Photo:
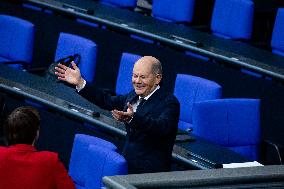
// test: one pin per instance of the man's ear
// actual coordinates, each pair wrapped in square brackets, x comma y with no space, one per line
[158,78]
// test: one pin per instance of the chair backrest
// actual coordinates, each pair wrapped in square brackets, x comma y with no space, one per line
[16,40]
[189,90]
[173,11]
[79,163]
[124,81]
[233,123]
[121,3]
[233,19]
[103,162]
[69,44]
[277,41]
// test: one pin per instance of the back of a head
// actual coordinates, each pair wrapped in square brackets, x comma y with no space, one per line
[22,125]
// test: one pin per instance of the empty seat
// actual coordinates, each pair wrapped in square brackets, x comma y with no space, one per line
[16,41]
[277,42]
[180,11]
[70,44]
[103,162]
[81,159]
[233,19]
[189,90]
[233,123]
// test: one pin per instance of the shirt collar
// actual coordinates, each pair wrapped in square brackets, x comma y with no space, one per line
[147,97]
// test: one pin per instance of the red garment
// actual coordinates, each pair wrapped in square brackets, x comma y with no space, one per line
[22,167]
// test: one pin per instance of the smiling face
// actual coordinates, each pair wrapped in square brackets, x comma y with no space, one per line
[144,77]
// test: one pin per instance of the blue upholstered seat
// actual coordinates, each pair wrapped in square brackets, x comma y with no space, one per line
[81,160]
[124,81]
[233,123]
[189,90]
[103,162]
[70,44]
[233,19]
[16,41]
[277,42]
[173,11]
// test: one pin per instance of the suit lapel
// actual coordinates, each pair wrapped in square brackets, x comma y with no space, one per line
[132,97]
[151,102]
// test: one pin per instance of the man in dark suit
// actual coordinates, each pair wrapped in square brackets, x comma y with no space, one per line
[149,113]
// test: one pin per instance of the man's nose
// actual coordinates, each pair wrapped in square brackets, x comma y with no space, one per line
[137,79]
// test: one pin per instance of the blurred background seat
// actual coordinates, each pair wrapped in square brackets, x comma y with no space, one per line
[233,123]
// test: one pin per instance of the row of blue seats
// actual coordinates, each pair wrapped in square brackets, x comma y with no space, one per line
[231,19]
[190,90]
[93,158]
[231,24]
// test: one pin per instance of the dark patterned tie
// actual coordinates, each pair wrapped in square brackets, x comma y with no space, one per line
[141,101]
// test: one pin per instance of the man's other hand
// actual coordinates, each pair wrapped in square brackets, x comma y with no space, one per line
[123,116]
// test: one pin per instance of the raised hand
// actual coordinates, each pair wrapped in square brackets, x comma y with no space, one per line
[69,75]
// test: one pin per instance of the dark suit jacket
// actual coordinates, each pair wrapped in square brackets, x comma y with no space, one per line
[150,134]
[22,167]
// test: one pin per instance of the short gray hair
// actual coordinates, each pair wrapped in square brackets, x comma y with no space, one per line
[157,67]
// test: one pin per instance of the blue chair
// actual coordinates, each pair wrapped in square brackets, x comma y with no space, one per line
[69,44]
[124,81]
[233,123]
[180,11]
[103,162]
[277,42]
[80,157]
[233,19]
[121,3]
[189,90]
[16,41]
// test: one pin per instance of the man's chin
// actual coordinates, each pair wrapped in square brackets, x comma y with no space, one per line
[138,92]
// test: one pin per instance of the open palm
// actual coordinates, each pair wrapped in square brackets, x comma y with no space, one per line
[69,75]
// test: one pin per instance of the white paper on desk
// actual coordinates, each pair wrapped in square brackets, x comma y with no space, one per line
[245,164]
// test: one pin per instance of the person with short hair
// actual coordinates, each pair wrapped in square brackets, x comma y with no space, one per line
[21,165]
[149,113]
